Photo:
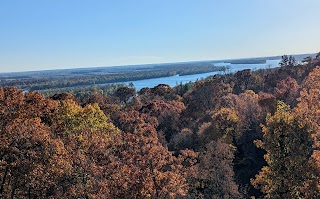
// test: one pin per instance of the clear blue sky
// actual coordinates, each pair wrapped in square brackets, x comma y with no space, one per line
[50,34]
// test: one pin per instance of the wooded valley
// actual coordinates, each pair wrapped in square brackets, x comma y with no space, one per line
[249,134]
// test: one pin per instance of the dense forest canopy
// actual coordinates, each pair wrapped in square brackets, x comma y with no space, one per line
[239,135]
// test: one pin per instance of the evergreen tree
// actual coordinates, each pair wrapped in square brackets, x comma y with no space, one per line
[288,61]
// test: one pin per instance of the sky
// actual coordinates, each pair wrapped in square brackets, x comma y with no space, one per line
[55,34]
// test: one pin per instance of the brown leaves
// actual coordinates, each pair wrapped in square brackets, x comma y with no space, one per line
[204,97]
[32,158]
[216,171]
[287,90]
[141,168]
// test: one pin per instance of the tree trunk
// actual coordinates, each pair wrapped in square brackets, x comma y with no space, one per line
[12,191]
[3,180]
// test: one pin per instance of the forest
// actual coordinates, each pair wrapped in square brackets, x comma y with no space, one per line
[83,77]
[249,134]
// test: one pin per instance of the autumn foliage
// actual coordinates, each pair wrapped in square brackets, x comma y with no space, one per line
[243,135]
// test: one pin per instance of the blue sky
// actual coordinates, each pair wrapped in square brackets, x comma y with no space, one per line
[51,34]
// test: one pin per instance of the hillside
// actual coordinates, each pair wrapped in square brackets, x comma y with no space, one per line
[237,135]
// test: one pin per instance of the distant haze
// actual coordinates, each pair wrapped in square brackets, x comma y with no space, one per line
[43,35]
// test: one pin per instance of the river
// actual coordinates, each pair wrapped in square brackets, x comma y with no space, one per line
[177,79]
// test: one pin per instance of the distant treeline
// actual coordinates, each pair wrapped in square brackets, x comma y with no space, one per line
[248,61]
[41,83]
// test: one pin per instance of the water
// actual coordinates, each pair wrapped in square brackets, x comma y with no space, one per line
[268,64]
[175,80]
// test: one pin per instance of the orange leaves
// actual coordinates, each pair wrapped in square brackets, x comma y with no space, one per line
[309,101]
[62,149]
[287,90]
[142,167]
[312,81]
[308,107]
[216,171]
[33,158]
[316,157]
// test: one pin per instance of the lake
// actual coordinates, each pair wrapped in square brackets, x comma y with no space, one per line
[175,80]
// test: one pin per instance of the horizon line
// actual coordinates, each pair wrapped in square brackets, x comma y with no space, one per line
[146,64]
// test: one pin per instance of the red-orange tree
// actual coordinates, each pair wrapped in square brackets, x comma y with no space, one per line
[141,167]
[32,161]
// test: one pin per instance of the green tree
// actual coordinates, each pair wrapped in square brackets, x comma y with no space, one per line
[287,141]
[288,61]
[70,117]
